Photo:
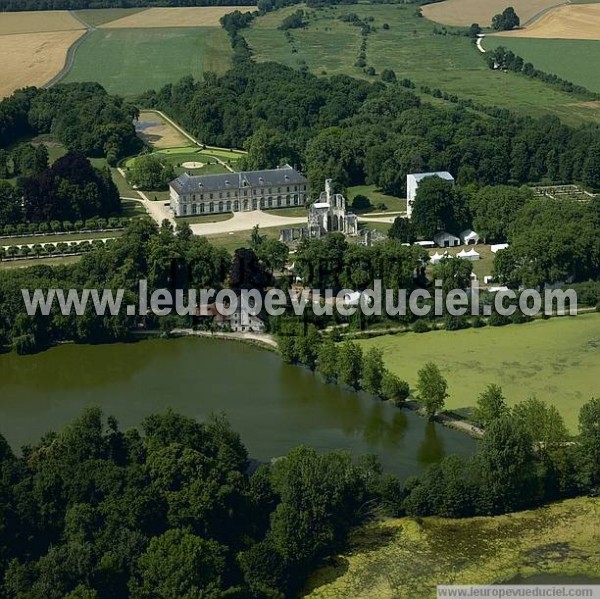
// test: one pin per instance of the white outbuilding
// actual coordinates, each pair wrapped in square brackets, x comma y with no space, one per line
[412,184]
[446,240]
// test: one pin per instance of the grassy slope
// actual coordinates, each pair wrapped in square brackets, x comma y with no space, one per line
[409,47]
[574,60]
[408,557]
[131,61]
[556,360]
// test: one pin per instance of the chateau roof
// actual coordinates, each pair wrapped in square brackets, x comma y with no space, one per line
[285,175]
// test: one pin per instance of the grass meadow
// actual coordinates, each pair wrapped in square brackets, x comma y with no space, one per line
[131,61]
[409,47]
[556,360]
[573,60]
[408,557]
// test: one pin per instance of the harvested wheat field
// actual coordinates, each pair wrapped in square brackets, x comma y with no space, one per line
[199,16]
[465,12]
[570,22]
[37,22]
[32,58]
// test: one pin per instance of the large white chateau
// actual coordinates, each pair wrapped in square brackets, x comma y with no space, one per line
[237,192]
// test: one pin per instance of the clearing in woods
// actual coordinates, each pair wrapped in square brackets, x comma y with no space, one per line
[201,16]
[152,128]
[465,12]
[570,22]
[33,58]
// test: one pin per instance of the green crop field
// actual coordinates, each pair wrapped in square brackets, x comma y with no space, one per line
[574,60]
[557,360]
[95,17]
[131,61]
[409,47]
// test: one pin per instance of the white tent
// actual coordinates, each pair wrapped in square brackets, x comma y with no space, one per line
[446,240]
[462,254]
[498,246]
[468,236]
[472,255]
[435,258]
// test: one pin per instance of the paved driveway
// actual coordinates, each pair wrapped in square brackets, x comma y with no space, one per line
[244,221]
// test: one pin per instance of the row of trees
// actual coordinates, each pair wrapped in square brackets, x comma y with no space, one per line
[526,457]
[502,58]
[57,227]
[48,249]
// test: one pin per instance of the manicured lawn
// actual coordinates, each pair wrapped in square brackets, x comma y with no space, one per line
[240,239]
[574,60]
[409,47]
[381,227]
[131,61]
[408,557]
[556,360]
[132,209]
[291,212]
[392,203]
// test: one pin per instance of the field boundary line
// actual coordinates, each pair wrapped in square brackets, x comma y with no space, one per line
[70,57]
[540,14]
[84,23]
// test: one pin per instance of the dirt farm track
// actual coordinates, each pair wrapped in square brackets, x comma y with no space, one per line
[465,12]
[569,22]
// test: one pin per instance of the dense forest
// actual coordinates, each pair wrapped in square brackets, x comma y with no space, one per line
[354,131]
[80,115]
[171,510]
[69,190]
[175,509]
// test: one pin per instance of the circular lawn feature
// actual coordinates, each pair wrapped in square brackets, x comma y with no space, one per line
[193,165]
